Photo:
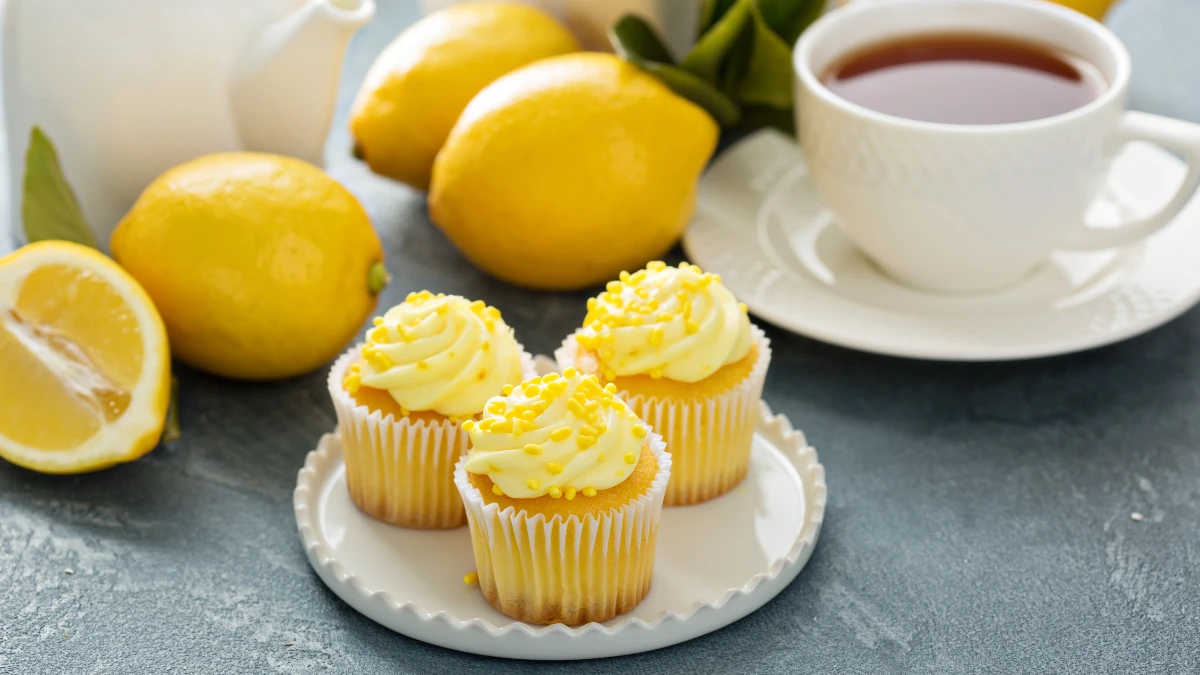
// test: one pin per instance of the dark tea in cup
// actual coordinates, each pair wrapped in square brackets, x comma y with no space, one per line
[965,78]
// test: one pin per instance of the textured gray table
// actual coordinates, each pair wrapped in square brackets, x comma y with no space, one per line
[979,515]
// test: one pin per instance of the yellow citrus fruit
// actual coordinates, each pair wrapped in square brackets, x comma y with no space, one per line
[563,173]
[416,89]
[262,266]
[85,373]
[1093,8]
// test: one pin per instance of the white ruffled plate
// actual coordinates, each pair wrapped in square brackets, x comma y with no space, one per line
[716,561]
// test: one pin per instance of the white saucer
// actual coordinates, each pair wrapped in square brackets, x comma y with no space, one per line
[760,224]
[716,562]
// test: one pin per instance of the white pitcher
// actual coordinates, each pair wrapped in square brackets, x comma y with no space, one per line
[125,89]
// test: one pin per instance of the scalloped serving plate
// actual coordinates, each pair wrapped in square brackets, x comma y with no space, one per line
[716,562]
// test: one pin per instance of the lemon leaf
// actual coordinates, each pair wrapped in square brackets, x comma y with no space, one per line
[710,13]
[768,76]
[635,40]
[709,52]
[49,208]
[789,18]
[171,431]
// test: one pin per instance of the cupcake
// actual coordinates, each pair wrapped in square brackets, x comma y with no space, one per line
[683,354]
[563,487]
[429,363]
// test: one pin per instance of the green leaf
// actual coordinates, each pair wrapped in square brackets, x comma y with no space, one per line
[768,77]
[789,18]
[49,207]
[636,41]
[721,107]
[737,61]
[710,13]
[171,430]
[708,54]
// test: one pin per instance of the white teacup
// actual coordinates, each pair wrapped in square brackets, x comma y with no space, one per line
[964,208]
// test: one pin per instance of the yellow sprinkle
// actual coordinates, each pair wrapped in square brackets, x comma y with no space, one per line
[378,321]
[600,458]
[574,406]
[485,346]
[533,449]
[630,458]
[532,484]
[469,425]
[506,389]
[642,293]
[656,373]
[656,336]
[529,415]
[586,430]
[589,491]
[664,317]
[421,365]
[637,277]
[619,405]
[742,306]
[683,265]
[570,372]
[691,326]
[569,493]
[613,286]
[560,434]
[705,280]
[477,306]
[404,411]
[635,320]
[424,295]
[489,324]
[497,491]
[379,334]
[502,427]
[496,407]
[411,297]
[486,424]
[555,491]
[493,312]
[554,468]
[620,473]
[549,377]
[454,419]
[352,383]
[382,362]
[471,578]
[606,354]
[656,265]
[443,308]
[585,442]
[610,374]
[716,278]
[639,431]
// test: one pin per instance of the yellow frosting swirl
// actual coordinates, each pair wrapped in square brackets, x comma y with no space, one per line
[679,323]
[441,353]
[555,435]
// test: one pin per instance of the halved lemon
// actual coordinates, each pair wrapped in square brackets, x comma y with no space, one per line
[84,366]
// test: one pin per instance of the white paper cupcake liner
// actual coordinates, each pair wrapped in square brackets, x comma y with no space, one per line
[572,570]
[398,470]
[710,437]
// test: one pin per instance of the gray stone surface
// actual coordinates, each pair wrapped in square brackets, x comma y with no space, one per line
[979,515]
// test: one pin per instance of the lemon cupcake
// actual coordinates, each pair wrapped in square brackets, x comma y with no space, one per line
[563,487]
[430,363]
[683,354]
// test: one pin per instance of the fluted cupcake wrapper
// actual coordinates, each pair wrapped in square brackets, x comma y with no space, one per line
[397,470]
[572,570]
[710,437]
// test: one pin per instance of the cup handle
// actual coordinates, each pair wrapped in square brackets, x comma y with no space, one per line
[1175,135]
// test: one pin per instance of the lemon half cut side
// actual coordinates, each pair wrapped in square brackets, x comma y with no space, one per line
[84,362]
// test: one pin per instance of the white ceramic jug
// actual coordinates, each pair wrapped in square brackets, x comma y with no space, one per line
[125,89]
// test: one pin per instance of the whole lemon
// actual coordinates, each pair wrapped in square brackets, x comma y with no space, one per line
[565,172]
[262,266]
[418,86]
